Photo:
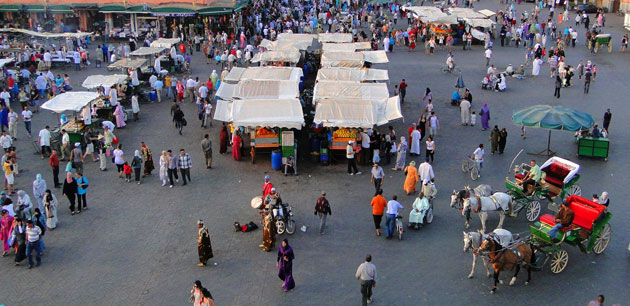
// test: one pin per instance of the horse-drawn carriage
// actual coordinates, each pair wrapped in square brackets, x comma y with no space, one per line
[559,179]
[602,40]
[590,232]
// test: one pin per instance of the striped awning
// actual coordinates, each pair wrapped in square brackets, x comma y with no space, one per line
[10,8]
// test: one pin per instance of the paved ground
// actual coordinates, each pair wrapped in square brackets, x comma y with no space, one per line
[136,244]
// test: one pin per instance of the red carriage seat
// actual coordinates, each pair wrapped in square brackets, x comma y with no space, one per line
[585,211]
[518,176]
[556,173]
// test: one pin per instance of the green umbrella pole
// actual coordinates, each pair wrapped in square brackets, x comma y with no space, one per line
[546,152]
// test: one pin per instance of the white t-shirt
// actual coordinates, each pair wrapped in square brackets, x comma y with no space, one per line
[6,96]
[365,140]
[349,152]
[13,117]
[27,115]
[65,139]
[44,137]
[479,153]
[488,53]
[47,57]
[203,91]
[118,154]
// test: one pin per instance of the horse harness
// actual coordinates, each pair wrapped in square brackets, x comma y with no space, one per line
[495,201]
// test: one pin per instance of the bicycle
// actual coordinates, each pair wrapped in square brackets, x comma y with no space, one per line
[472,166]
[399,226]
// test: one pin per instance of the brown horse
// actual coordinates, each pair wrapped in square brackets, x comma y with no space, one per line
[504,259]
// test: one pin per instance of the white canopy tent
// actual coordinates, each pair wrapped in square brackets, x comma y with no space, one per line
[461,12]
[94,81]
[352,74]
[226,91]
[70,101]
[143,51]
[481,23]
[297,37]
[392,111]
[290,55]
[345,47]
[164,42]
[251,89]
[282,113]
[223,111]
[342,59]
[487,13]
[446,20]
[264,74]
[128,63]
[349,90]
[425,11]
[335,37]
[375,57]
[348,113]
[280,45]
[4,61]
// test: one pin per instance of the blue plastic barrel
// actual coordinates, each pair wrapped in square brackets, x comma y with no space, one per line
[276,160]
[152,95]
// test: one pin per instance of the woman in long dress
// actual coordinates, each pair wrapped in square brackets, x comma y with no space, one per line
[418,210]
[427,96]
[223,140]
[25,206]
[284,262]
[163,168]
[485,117]
[119,114]
[236,146]
[39,188]
[412,178]
[402,154]
[269,232]
[50,207]
[204,246]
[422,125]
[5,230]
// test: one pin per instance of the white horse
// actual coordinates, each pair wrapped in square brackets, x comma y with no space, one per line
[473,240]
[457,198]
[499,202]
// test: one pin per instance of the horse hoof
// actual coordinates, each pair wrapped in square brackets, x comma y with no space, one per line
[512,282]
[488,275]
[492,291]
[501,282]
[470,276]
[526,283]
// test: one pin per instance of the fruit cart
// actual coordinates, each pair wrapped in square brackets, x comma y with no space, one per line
[341,137]
[593,147]
[263,140]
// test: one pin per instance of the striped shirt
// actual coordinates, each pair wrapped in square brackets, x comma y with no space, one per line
[184,162]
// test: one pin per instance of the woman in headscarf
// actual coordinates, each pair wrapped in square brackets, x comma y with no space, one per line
[402,154]
[24,208]
[147,156]
[284,263]
[120,115]
[204,246]
[485,117]
[412,178]
[603,199]
[50,207]
[214,77]
[70,189]
[136,164]
[163,168]
[5,230]
[39,189]
[236,145]
[223,139]
[418,210]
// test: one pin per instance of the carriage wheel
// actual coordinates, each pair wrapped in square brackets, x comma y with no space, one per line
[596,46]
[290,227]
[465,166]
[601,242]
[474,173]
[429,217]
[280,226]
[559,260]
[575,189]
[533,211]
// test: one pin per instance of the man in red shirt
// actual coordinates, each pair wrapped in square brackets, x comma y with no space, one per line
[266,187]
[54,164]
[403,90]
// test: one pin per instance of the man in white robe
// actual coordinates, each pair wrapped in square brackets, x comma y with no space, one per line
[415,141]
[464,110]
[536,66]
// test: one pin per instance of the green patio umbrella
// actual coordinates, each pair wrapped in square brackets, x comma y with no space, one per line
[553,118]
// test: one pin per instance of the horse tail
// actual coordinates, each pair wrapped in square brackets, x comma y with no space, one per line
[532,260]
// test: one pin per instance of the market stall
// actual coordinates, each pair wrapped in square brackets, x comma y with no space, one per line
[335,37]
[346,47]
[349,90]
[164,42]
[280,45]
[289,56]
[145,51]
[251,89]
[352,75]
[264,74]
[125,63]
[342,59]
[105,81]
[77,102]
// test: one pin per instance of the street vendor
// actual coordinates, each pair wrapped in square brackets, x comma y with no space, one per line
[267,186]
[532,177]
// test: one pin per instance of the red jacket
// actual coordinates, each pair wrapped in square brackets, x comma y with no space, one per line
[54,160]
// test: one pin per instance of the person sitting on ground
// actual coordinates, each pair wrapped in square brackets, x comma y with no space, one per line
[520,71]
[532,177]
[564,218]
[509,70]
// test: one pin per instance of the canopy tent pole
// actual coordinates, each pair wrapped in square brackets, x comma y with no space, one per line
[546,152]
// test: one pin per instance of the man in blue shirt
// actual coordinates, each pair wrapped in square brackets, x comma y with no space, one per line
[158,89]
[82,184]
[105,54]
